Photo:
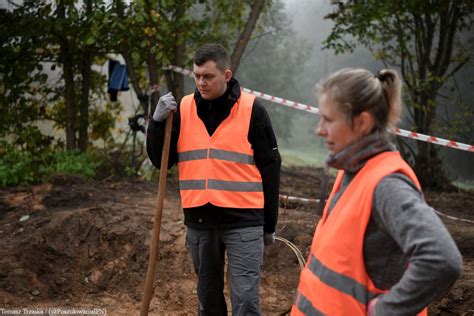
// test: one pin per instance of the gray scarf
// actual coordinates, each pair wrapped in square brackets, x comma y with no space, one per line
[353,157]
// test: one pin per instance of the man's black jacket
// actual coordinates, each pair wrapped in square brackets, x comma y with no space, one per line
[266,155]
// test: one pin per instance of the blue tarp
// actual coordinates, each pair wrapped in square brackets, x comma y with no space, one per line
[118,79]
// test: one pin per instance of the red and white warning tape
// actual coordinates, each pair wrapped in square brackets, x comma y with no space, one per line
[315,110]
[435,140]
[286,198]
[455,218]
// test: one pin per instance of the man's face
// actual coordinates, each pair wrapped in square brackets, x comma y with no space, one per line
[210,81]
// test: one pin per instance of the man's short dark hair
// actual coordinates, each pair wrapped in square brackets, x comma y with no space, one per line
[214,52]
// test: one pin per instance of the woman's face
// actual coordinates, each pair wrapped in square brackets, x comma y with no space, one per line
[334,126]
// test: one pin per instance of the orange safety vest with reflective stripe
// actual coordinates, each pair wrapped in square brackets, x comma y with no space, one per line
[218,169]
[334,280]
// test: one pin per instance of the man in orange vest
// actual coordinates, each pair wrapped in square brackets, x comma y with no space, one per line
[229,167]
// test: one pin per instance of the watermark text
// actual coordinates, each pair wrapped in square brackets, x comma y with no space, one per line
[53,311]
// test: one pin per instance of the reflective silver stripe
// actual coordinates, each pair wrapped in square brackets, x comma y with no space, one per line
[231,156]
[340,282]
[192,184]
[192,155]
[234,186]
[306,307]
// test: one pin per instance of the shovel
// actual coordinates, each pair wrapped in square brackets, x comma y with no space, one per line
[157,224]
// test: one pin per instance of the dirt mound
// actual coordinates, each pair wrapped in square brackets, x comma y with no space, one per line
[85,251]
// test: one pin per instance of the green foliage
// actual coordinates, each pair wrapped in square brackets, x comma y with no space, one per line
[34,36]
[151,32]
[418,37]
[17,167]
[103,120]
[423,39]
[42,41]
[20,167]
[116,159]
[71,162]
[21,69]
[456,125]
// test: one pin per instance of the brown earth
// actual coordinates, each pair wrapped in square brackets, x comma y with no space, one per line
[74,244]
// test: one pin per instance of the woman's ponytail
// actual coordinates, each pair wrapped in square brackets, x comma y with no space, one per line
[391,86]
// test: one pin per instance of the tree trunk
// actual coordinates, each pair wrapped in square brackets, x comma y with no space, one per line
[153,74]
[178,79]
[84,106]
[244,38]
[70,98]
[132,75]
[428,165]
[68,74]
[152,64]
[85,87]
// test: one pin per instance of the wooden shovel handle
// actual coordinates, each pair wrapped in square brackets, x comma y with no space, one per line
[157,224]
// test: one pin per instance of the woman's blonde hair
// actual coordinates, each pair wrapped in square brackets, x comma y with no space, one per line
[358,90]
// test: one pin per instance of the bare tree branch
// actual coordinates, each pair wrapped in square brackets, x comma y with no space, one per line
[239,48]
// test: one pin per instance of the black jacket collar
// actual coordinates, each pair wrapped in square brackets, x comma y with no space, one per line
[213,112]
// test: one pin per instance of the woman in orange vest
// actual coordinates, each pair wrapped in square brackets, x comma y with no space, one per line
[378,249]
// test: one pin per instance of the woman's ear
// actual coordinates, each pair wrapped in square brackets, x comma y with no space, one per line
[364,123]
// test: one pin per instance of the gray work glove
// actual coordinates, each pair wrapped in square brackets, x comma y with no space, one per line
[166,105]
[268,238]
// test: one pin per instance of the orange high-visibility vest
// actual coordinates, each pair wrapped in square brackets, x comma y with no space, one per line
[334,280]
[218,169]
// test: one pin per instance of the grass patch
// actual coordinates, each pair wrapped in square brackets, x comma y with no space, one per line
[313,157]
[21,167]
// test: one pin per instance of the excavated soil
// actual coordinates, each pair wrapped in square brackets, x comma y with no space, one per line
[71,243]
